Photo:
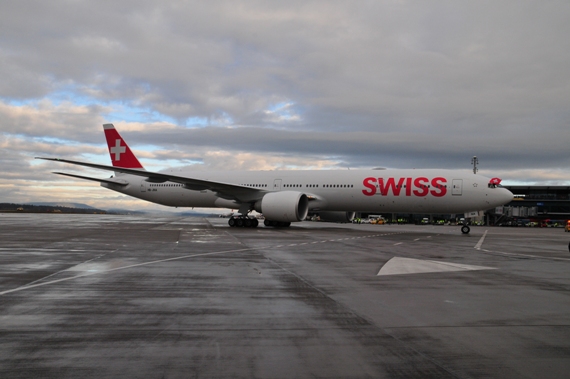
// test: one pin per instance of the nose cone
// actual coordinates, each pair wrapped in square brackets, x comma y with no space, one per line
[504,196]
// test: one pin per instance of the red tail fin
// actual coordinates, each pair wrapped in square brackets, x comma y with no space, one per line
[121,154]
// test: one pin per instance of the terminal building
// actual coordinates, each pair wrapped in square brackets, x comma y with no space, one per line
[534,203]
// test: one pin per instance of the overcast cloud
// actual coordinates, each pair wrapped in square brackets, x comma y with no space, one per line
[282,85]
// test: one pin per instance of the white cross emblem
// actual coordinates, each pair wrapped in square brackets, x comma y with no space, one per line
[118,150]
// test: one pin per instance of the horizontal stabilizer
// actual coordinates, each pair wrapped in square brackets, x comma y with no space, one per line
[120,182]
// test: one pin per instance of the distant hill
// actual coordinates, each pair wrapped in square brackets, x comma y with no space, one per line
[66,207]
[43,208]
[125,211]
[62,204]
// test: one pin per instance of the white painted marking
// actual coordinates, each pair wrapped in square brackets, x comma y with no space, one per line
[398,243]
[478,246]
[399,266]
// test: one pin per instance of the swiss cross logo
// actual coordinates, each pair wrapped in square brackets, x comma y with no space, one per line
[118,150]
[420,187]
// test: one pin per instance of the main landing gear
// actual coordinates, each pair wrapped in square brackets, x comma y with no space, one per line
[249,222]
[465,229]
[243,222]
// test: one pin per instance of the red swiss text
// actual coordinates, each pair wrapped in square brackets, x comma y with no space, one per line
[405,186]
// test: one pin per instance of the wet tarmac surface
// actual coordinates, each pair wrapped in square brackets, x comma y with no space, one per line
[100,296]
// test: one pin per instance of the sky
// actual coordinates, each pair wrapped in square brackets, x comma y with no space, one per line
[282,85]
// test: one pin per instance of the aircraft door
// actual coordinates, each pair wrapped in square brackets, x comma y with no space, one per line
[143,185]
[277,185]
[457,187]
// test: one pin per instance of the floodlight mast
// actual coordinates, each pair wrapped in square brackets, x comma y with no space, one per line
[475,162]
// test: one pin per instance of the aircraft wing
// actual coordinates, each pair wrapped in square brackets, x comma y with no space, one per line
[224,190]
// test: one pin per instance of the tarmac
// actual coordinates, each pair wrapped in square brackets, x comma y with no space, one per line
[103,296]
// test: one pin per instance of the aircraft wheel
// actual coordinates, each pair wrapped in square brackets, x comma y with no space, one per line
[247,222]
[465,229]
[254,223]
[239,222]
[232,222]
[266,222]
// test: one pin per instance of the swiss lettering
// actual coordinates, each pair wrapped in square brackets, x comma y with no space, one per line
[369,183]
[420,186]
[439,187]
[421,183]
[390,183]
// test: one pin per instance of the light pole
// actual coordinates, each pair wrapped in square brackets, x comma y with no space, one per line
[475,162]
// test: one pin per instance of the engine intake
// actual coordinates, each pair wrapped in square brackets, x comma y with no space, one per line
[285,206]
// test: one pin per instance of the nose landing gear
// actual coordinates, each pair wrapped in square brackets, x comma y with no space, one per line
[465,229]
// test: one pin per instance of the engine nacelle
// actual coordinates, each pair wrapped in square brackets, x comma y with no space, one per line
[337,216]
[285,206]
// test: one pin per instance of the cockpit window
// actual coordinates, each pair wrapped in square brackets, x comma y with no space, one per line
[494,183]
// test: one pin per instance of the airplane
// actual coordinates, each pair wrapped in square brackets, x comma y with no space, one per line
[284,197]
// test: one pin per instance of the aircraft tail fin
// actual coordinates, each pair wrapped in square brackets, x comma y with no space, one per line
[121,154]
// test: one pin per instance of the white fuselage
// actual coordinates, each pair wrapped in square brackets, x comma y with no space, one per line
[390,191]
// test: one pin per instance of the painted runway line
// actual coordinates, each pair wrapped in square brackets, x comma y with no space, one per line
[480,243]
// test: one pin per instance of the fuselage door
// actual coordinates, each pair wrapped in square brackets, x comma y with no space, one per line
[277,185]
[457,187]
[143,185]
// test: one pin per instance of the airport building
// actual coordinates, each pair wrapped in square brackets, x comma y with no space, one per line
[538,203]
[531,204]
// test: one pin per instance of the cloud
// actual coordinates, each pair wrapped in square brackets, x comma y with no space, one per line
[253,84]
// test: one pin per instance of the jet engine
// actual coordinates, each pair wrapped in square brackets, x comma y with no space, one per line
[337,216]
[285,206]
